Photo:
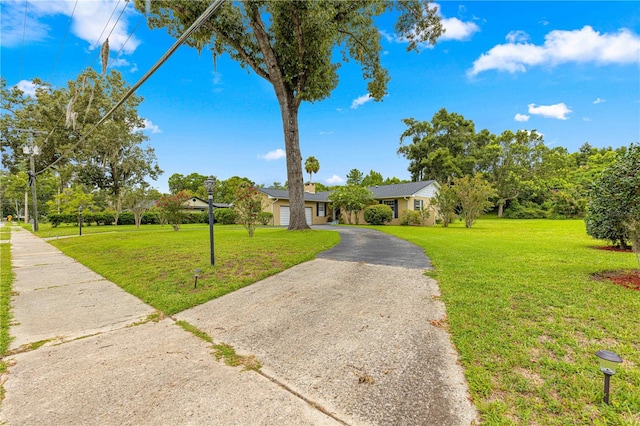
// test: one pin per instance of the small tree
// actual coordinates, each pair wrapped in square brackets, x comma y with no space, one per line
[473,194]
[446,202]
[136,200]
[351,199]
[172,207]
[248,206]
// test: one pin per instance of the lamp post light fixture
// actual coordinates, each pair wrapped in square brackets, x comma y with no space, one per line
[210,186]
[608,363]
[80,219]
[196,274]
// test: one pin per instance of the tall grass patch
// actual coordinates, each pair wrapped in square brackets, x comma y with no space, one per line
[527,319]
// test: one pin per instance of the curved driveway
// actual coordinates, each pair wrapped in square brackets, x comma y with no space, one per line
[377,248]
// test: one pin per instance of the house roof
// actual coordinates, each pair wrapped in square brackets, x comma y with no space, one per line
[380,191]
[399,190]
[283,194]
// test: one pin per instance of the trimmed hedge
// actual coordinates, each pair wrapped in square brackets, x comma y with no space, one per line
[224,216]
[378,214]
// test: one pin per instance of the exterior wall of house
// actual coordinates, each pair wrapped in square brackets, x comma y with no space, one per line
[403,204]
[273,206]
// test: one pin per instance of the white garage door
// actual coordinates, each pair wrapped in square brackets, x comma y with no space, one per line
[284,215]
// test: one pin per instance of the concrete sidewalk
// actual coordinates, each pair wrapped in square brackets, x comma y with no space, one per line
[339,343]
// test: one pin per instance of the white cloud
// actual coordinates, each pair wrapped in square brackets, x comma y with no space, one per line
[334,180]
[148,125]
[455,29]
[27,87]
[580,46]
[326,133]
[586,119]
[361,101]
[88,21]
[598,101]
[521,117]
[517,36]
[273,155]
[558,111]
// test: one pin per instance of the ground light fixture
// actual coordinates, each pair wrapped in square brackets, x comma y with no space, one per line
[210,186]
[608,363]
[196,274]
[80,219]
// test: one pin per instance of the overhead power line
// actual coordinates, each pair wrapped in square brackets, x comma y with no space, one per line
[196,24]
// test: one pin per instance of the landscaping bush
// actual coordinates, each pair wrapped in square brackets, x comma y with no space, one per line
[224,216]
[265,218]
[378,214]
[411,217]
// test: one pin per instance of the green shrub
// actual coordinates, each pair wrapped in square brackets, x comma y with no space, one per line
[411,217]
[378,214]
[225,216]
[530,211]
[265,218]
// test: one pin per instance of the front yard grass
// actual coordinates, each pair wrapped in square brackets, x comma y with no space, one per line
[527,319]
[157,264]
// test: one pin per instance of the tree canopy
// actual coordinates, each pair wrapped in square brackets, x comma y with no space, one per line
[291,45]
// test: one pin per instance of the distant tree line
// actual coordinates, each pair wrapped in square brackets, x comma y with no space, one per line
[529,179]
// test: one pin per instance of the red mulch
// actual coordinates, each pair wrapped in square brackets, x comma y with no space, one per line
[626,279]
[612,248]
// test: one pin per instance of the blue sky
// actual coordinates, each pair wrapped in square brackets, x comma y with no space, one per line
[570,70]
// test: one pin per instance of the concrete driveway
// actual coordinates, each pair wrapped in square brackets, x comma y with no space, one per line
[340,342]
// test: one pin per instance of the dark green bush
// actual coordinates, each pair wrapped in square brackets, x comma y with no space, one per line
[378,214]
[225,216]
[531,211]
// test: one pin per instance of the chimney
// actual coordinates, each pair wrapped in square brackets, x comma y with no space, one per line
[310,188]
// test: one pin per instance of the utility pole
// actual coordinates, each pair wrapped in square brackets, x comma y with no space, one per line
[32,149]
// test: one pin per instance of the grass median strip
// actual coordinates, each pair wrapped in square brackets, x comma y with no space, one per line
[527,319]
[158,265]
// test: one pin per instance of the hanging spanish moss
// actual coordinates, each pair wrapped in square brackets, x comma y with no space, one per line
[72,116]
[147,6]
[104,55]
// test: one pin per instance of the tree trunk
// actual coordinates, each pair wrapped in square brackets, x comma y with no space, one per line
[500,208]
[289,111]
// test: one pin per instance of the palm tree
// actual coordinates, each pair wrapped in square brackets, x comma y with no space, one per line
[311,165]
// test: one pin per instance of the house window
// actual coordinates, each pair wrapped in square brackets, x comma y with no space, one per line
[322,209]
[394,206]
[417,205]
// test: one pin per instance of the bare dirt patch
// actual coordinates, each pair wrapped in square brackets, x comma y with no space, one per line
[626,279]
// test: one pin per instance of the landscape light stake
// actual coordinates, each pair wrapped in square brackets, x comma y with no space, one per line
[80,219]
[196,274]
[608,363]
[210,186]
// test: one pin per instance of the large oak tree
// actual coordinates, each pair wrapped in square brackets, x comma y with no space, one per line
[291,45]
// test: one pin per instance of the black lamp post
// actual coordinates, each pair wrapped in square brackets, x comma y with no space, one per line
[210,186]
[608,363]
[80,221]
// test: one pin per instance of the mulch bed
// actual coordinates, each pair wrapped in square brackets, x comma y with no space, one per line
[612,248]
[626,279]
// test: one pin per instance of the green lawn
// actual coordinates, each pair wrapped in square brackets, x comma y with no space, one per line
[6,280]
[527,318]
[156,264]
